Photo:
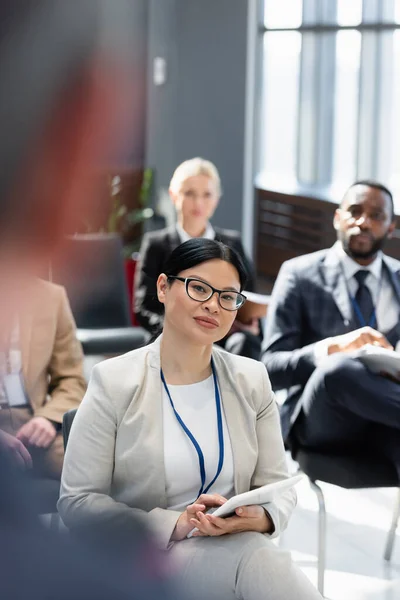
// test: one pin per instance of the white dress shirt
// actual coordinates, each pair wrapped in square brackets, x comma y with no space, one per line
[378,283]
[195,405]
[209,233]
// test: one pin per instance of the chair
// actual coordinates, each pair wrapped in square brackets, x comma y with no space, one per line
[44,493]
[349,472]
[67,424]
[97,290]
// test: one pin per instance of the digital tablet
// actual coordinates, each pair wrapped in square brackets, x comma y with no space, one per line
[262,495]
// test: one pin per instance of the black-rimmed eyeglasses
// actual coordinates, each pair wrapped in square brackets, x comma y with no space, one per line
[201,292]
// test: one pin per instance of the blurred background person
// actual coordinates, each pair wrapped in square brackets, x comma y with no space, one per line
[41,377]
[195,190]
[62,109]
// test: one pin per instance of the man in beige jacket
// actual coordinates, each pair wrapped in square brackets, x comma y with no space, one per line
[43,369]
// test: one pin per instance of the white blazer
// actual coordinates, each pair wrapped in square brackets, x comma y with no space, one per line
[114,463]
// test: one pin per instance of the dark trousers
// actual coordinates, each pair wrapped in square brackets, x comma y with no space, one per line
[345,406]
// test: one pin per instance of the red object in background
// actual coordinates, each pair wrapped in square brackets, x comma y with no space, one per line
[130,268]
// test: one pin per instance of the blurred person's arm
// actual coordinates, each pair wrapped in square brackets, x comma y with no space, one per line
[85,502]
[147,308]
[67,384]
[16,450]
[287,362]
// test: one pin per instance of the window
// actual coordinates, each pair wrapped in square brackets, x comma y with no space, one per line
[331,92]
[281,75]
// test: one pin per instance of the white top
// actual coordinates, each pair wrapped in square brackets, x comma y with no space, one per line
[195,405]
[383,296]
[10,360]
[209,233]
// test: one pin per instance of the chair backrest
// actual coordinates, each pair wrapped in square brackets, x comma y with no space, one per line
[67,424]
[292,224]
[97,287]
[348,470]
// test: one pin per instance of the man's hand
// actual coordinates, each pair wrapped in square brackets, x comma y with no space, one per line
[248,518]
[16,449]
[184,523]
[354,340]
[37,432]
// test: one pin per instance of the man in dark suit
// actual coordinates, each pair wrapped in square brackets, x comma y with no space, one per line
[195,191]
[324,306]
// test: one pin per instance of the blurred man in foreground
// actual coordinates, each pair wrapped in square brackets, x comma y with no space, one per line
[61,115]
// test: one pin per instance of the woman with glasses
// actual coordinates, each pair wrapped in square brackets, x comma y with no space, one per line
[168,431]
[195,191]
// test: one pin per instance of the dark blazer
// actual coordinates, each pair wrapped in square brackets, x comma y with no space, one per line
[309,303]
[156,248]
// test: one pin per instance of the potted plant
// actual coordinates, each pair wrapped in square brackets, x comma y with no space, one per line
[122,209]
[129,224]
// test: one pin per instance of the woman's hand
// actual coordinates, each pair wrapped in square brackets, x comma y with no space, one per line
[184,523]
[247,518]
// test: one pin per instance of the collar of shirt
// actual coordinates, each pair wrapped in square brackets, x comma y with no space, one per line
[350,266]
[209,233]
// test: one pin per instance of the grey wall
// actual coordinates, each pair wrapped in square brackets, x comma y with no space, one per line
[133,32]
[139,41]
[200,110]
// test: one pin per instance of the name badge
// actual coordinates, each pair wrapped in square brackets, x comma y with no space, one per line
[15,390]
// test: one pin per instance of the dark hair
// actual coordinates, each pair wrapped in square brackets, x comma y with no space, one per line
[377,186]
[200,250]
[194,252]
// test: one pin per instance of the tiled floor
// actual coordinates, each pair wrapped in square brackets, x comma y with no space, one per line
[358,521]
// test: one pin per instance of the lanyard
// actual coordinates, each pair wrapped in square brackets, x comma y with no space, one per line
[193,439]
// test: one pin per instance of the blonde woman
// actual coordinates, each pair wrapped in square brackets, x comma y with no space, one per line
[195,191]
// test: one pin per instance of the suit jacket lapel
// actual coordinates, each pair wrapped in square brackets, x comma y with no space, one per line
[234,421]
[336,283]
[393,271]
[219,237]
[154,391]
